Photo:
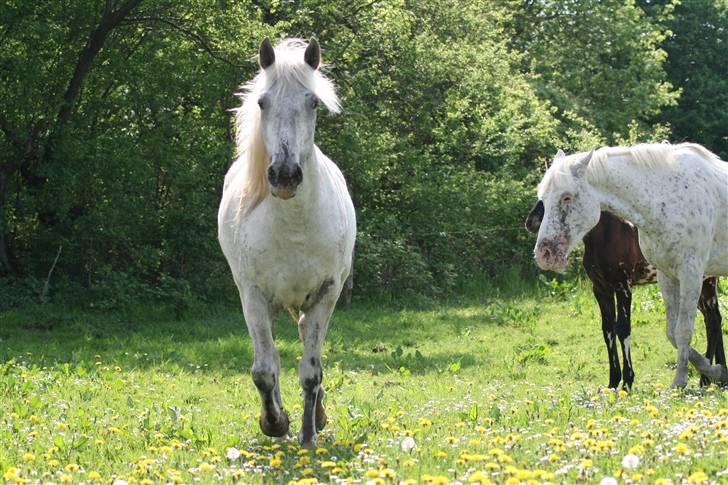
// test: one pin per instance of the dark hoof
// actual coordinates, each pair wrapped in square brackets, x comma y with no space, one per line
[307,442]
[274,429]
[320,411]
[704,381]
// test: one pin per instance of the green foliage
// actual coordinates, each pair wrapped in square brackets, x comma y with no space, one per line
[450,110]
[699,33]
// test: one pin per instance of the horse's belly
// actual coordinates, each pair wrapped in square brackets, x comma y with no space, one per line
[286,278]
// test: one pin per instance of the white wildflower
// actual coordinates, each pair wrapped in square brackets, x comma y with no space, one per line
[408,444]
[232,454]
[630,461]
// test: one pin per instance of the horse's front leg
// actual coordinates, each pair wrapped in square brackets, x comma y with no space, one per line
[266,362]
[670,289]
[624,329]
[312,329]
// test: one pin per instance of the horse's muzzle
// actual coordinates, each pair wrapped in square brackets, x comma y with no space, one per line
[284,179]
[551,255]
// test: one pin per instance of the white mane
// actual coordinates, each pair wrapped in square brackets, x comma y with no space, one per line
[646,156]
[289,67]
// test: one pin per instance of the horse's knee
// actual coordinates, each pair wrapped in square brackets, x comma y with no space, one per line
[264,379]
[671,337]
[310,374]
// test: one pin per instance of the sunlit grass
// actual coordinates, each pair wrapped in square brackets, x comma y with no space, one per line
[502,389]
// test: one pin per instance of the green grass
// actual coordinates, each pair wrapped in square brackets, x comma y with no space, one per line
[506,386]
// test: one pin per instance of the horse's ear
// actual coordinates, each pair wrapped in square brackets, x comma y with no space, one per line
[560,154]
[312,56]
[579,168]
[266,54]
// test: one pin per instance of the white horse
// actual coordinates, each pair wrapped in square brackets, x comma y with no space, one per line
[286,223]
[676,195]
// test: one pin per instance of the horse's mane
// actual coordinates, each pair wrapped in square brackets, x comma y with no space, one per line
[289,67]
[647,156]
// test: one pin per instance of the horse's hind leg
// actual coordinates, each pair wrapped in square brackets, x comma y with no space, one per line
[709,307]
[605,299]
[684,295]
[624,329]
[266,362]
[312,329]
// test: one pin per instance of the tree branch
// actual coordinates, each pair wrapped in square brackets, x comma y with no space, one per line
[109,21]
[199,39]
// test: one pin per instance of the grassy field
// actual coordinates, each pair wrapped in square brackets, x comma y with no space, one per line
[504,387]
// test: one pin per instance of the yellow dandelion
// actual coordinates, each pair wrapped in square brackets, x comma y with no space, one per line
[504,458]
[71,468]
[637,450]
[28,457]
[94,475]
[682,449]
[388,473]
[206,467]
[697,478]
[371,473]
[61,426]
[11,473]
[586,463]
[479,477]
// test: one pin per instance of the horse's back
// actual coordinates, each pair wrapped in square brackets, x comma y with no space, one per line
[709,191]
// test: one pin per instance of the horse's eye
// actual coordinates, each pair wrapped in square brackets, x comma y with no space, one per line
[314,103]
[261,103]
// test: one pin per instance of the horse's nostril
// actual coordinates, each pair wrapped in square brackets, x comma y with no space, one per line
[272,176]
[297,175]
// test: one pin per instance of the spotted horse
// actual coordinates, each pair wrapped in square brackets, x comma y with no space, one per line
[676,195]
[614,263]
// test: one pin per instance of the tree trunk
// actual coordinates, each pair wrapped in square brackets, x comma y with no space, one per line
[5,237]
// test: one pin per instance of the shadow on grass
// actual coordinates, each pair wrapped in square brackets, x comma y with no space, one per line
[367,337]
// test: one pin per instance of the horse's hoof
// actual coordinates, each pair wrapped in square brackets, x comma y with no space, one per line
[723,374]
[307,442]
[704,381]
[275,429]
[679,383]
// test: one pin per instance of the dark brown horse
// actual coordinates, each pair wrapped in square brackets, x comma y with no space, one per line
[614,263]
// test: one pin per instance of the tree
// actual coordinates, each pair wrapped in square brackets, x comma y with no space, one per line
[696,63]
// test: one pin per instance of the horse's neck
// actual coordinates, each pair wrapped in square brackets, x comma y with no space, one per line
[623,192]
